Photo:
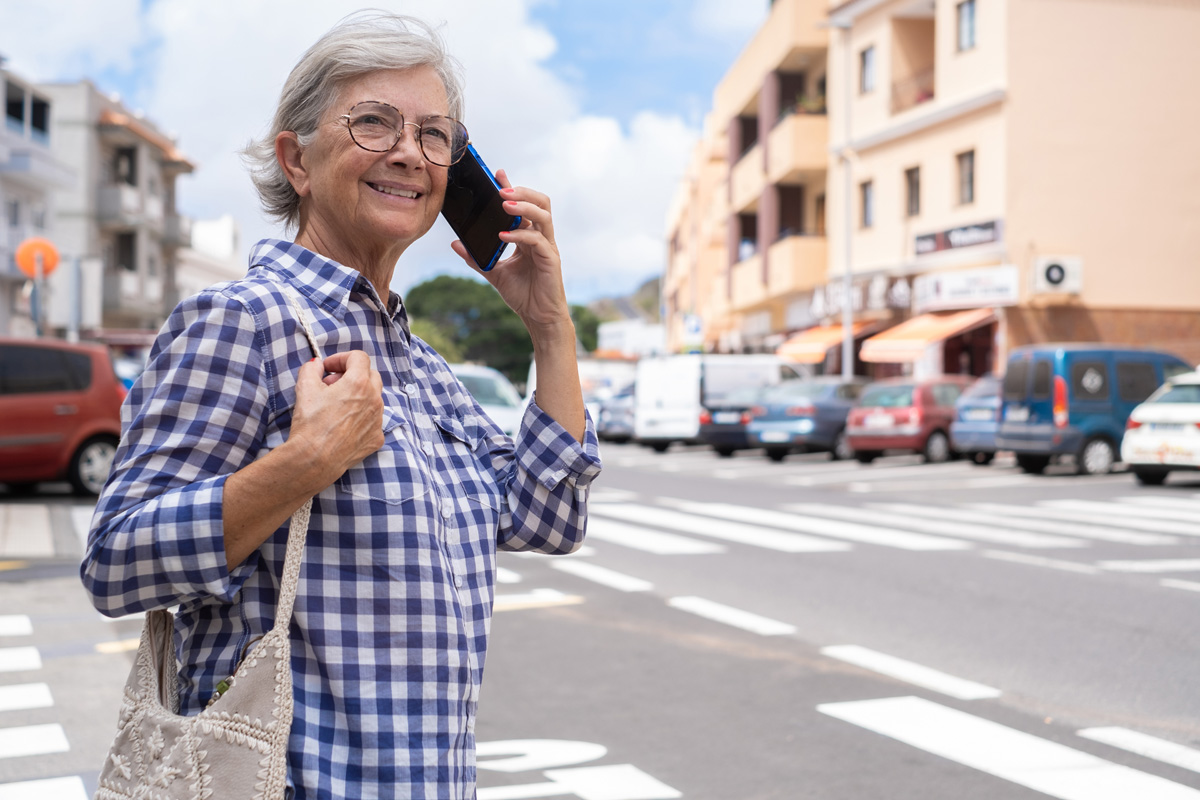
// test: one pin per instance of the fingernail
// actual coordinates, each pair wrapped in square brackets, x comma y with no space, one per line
[508,191]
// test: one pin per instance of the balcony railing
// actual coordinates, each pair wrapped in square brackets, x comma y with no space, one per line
[912,91]
[119,203]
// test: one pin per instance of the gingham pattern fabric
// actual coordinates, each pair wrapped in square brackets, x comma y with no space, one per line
[395,596]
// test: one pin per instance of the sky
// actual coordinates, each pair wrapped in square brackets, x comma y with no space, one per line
[598,104]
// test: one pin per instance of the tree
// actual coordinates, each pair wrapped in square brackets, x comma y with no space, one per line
[437,338]
[587,327]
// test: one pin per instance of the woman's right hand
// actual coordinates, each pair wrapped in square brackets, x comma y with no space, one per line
[338,417]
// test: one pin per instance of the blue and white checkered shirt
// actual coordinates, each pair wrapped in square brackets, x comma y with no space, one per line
[395,595]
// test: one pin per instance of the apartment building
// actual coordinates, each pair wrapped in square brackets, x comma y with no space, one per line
[119,212]
[29,176]
[1018,171]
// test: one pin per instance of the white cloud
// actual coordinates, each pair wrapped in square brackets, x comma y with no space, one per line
[723,18]
[48,40]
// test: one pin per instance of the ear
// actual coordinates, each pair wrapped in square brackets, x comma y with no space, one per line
[289,154]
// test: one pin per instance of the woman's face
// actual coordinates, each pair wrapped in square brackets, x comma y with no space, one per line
[360,201]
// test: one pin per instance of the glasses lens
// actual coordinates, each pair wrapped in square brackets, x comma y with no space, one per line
[374,126]
[443,140]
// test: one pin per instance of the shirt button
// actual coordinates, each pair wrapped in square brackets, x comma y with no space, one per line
[446,512]
[428,448]
[458,581]
[410,389]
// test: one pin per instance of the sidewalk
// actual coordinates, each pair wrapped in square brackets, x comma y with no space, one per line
[33,530]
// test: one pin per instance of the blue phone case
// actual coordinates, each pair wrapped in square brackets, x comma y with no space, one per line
[475,211]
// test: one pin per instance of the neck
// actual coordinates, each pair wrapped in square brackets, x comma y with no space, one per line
[375,263]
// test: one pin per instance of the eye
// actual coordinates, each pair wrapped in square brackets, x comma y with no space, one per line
[436,134]
[370,119]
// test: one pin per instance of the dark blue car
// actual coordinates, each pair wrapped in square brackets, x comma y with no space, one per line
[977,418]
[804,415]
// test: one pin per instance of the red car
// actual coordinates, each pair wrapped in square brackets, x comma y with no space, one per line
[60,413]
[905,414]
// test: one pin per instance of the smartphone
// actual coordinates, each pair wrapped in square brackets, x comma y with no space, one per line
[475,210]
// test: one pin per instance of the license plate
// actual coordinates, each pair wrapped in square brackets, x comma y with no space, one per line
[727,417]
[979,414]
[878,421]
[1166,426]
[775,436]
[1016,413]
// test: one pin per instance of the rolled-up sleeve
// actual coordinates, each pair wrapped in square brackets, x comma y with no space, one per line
[548,489]
[196,415]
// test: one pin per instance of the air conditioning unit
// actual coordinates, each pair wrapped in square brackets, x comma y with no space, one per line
[1057,275]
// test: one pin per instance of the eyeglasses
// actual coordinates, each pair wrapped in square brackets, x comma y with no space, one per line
[376,127]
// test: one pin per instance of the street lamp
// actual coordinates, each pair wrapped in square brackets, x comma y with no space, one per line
[844,155]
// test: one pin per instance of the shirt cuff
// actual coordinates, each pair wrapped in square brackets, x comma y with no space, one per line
[551,455]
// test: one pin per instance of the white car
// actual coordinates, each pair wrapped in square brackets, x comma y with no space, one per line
[494,392]
[1163,433]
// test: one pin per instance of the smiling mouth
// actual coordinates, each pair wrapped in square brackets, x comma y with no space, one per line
[395,192]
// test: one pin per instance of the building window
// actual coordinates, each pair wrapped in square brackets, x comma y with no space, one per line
[12,210]
[912,183]
[866,192]
[866,70]
[966,25]
[126,252]
[125,165]
[14,108]
[37,218]
[966,177]
[39,119]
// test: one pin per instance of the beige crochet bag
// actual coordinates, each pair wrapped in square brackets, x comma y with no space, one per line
[236,747]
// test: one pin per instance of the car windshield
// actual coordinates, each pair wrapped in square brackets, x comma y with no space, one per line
[1177,393]
[790,391]
[898,395]
[987,386]
[491,391]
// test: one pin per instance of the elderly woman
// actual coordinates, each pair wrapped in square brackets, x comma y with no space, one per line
[234,425]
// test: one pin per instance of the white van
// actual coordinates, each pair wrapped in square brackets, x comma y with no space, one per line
[600,379]
[672,391]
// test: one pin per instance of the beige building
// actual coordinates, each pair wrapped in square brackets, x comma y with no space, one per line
[1020,171]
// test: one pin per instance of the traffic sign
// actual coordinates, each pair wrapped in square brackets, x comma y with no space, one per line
[27,257]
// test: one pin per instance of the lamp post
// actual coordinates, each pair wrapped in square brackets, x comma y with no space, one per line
[843,25]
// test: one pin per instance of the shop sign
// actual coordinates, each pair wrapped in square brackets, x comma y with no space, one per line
[971,288]
[884,293]
[953,239]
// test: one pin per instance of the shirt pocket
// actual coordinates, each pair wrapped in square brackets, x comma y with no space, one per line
[392,474]
[474,482]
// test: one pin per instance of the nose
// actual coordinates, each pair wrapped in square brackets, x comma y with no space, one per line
[407,148]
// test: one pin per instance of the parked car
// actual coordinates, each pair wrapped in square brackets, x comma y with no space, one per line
[494,392]
[723,420]
[1074,400]
[615,423]
[906,414]
[804,415]
[60,414]
[976,420]
[1163,433]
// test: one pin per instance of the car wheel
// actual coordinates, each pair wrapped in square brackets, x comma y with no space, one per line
[937,448]
[865,456]
[842,451]
[777,453]
[1150,477]
[1035,465]
[724,452]
[1096,457]
[91,464]
[23,489]
[982,459]
[660,447]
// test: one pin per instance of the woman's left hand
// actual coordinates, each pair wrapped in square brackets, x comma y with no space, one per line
[530,280]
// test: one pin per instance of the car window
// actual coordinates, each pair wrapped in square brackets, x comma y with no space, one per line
[849,391]
[1089,380]
[1182,393]
[490,391]
[987,386]
[1042,371]
[1136,380]
[789,391]
[946,394]
[1173,368]
[27,370]
[1016,379]
[898,395]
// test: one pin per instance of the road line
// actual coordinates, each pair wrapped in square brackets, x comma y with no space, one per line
[1110,530]
[15,625]
[647,540]
[1117,514]
[1153,565]
[728,615]
[958,529]
[1145,745]
[612,496]
[854,472]
[910,672]
[1159,501]
[117,646]
[1017,538]
[783,541]
[504,575]
[583,552]
[1012,755]
[33,740]
[538,598]
[603,576]
[1172,583]
[71,788]
[1039,561]
[866,534]
[863,487]
[81,522]
[19,659]
[1128,510]
[1009,520]
[25,695]
[25,531]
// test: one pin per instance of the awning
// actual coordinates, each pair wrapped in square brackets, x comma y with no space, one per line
[812,345]
[907,341]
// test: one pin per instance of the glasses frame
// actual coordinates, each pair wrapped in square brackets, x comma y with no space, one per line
[399,132]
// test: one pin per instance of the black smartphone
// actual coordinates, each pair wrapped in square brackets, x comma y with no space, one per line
[475,210]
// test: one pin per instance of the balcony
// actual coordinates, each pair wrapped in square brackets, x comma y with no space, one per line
[799,144]
[747,180]
[119,204]
[178,231]
[912,91]
[748,287]
[796,264]
[129,299]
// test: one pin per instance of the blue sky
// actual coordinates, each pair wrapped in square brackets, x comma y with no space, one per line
[596,103]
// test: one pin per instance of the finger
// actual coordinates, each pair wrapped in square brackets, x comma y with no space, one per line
[309,375]
[347,360]
[502,179]
[528,211]
[527,195]
[533,239]
[458,247]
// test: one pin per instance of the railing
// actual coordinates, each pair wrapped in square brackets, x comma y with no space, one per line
[803,104]
[912,91]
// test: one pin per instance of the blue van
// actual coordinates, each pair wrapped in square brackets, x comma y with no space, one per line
[1074,399]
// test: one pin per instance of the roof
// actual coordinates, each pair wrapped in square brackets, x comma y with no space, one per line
[147,134]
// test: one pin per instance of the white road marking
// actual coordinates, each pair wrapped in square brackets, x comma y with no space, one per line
[1173,583]
[1039,561]
[25,531]
[25,695]
[1023,759]
[612,496]
[783,541]
[1145,745]
[959,529]
[728,615]
[1015,538]
[922,485]
[647,540]
[71,788]
[603,576]
[505,575]
[538,598]
[910,672]
[81,521]
[19,659]
[15,625]
[527,755]
[856,472]
[1106,532]
[1137,511]
[1159,501]
[33,740]
[583,552]
[867,534]
[1012,517]
[1153,565]
[1116,514]
[610,782]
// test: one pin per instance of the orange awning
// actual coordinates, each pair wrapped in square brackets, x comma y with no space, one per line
[907,341]
[812,345]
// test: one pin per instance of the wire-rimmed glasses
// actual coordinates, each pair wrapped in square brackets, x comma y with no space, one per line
[376,127]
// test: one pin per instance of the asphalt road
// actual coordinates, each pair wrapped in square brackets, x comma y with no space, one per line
[736,628]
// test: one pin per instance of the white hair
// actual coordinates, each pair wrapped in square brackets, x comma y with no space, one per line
[364,42]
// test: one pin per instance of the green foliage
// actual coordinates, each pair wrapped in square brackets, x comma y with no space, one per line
[437,338]
[587,327]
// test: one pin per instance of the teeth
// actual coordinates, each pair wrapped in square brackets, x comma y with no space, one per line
[396,192]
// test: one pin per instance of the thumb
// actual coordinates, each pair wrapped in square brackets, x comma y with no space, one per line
[308,379]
